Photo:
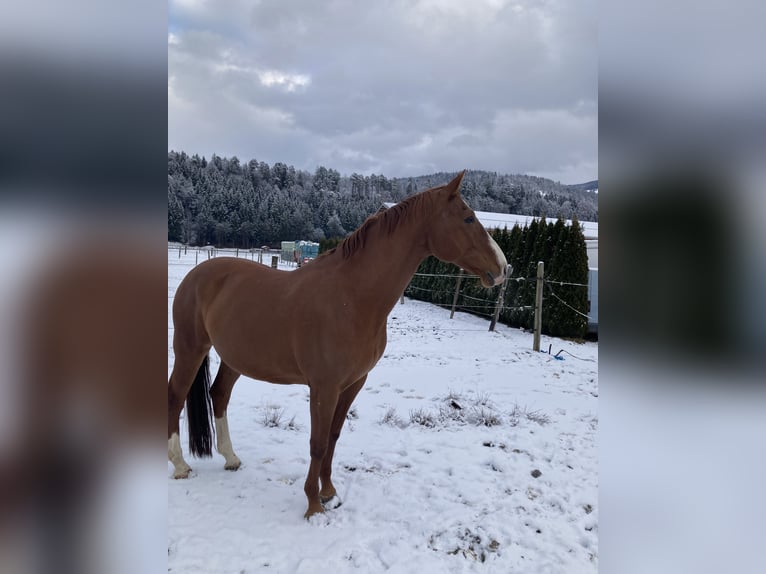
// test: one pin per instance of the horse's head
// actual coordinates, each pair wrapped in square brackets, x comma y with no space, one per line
[456,236]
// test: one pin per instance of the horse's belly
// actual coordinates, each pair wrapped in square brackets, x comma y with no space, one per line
[251,339]
[268,343]
[265,367]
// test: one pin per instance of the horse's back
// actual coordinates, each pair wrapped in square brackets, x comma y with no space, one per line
[210,282]
[208,278]
[240,308]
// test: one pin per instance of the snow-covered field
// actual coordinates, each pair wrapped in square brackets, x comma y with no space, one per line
[465,452]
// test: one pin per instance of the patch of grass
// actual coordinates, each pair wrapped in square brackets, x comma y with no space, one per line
[423,418]
[449,413]
[391,418]
[518,413]
[272,417]
[482,416]
[473,409]
[292,425]
[538,417]
[482,400]
[478,410]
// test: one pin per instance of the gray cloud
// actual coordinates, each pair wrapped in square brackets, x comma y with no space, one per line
[397,87]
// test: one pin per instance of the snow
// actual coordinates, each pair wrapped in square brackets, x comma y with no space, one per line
[492,220]
[449,495]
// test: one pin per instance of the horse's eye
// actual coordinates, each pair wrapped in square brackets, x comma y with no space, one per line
[469,220]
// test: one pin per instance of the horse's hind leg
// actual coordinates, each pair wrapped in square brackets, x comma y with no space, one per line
[221,393]
[185,369]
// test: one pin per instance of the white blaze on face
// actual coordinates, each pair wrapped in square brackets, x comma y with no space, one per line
[501,260]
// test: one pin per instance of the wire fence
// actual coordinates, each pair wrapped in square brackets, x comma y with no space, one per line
[452,297]
[553,293]
[514,307]
[546,282]
[183,255]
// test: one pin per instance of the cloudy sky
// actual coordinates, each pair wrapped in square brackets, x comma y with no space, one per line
[398,87]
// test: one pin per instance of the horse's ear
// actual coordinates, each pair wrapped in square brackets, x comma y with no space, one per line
[454,185]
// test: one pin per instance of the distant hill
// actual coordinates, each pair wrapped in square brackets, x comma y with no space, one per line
[222,201]
[520,194]
[587,186]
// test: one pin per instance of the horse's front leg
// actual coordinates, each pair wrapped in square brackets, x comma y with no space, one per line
[323,404]
[328,492]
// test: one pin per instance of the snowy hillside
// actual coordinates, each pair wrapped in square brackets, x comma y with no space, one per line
[465,452]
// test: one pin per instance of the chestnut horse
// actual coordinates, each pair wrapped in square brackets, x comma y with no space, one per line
[322,325]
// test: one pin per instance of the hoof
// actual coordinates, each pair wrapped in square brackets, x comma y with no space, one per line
[331,502]
[313,511]
[232,465]
[182,473]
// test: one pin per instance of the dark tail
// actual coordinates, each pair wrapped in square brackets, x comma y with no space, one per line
[199,413]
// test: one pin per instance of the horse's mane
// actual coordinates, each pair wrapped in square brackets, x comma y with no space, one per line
[387,219]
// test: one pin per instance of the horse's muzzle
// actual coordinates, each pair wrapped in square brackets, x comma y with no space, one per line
[494,280]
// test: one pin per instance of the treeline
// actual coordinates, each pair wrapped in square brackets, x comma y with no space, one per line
[559,246]
[224,202]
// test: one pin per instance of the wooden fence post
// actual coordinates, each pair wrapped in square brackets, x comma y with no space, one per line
[500,299]
[538,307]
[457,292]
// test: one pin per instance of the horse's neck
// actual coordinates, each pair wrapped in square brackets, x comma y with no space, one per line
[384,267]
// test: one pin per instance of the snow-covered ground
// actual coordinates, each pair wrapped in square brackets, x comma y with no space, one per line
[465,452]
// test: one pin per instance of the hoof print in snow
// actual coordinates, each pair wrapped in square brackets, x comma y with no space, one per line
[465,543]
[536,473]
[533,493]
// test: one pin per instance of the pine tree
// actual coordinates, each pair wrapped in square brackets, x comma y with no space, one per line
[175,218]
[571,266]
[335,227]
